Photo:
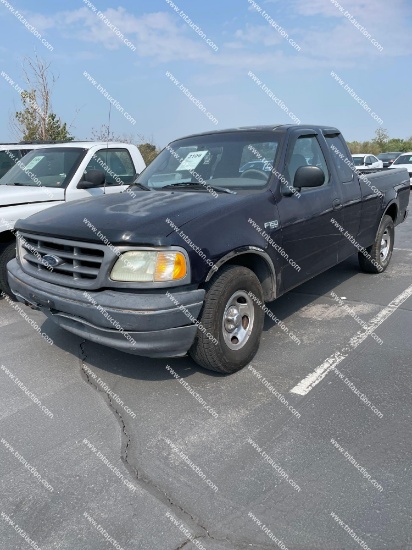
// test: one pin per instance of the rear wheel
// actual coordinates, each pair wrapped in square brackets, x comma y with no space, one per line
[231,321]
[381,250]
[7,253]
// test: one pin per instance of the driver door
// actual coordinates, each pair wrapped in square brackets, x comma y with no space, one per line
[309,237]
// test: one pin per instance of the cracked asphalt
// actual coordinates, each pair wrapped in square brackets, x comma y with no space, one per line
[130,448]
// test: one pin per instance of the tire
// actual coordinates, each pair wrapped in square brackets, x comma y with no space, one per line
[381,250]
[237,332]
[7,253]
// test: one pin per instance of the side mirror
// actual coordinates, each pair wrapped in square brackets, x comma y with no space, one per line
[308,176]
[95,178]
[368,163]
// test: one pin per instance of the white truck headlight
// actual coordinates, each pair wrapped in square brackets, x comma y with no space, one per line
[143,266]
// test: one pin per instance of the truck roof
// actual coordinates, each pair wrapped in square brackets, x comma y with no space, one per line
[267,128]
[83,144]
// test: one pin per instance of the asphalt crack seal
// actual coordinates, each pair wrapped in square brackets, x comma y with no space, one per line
[147,483]
[144,482]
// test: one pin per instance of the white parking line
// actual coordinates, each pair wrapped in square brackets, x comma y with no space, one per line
[404,249]
[322,370]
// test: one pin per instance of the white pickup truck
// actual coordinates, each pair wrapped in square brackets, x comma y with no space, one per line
[57,173]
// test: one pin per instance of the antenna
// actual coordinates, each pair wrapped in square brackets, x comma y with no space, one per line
[107,143]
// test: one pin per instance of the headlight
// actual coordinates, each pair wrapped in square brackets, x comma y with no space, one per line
[145,266]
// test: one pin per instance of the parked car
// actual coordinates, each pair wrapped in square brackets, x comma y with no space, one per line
[10,153]
[388,158]
[60,172]
[188,264]
[366,162]
[404,161]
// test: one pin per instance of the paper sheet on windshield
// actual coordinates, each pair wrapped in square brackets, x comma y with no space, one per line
[192,160]
[34,161]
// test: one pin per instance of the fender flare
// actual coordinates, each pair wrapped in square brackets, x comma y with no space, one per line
[272,294]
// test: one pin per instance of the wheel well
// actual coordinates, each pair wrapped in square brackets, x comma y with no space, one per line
[261,269]
[7,237]
[392,211]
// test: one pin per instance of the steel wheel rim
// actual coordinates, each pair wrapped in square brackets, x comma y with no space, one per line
[238,320]
[385,245]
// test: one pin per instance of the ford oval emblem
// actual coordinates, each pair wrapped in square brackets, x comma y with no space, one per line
[51,261]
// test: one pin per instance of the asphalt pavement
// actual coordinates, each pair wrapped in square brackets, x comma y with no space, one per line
[308,448]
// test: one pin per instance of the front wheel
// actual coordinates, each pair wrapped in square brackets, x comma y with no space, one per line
[380,252]
[231,321]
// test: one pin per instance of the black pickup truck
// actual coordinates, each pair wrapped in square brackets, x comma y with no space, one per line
[222,223]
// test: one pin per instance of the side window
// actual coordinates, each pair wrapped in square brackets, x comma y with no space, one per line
[117,165]
[340,159]
[306,152]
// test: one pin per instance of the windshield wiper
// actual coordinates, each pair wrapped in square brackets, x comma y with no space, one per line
[15,183]
[193,184]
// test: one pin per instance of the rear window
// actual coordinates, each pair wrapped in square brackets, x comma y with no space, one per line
[388,156]
[358,161]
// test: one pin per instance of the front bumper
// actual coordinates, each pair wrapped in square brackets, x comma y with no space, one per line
[148,324]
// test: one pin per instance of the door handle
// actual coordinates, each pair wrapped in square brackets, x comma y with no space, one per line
[337,205]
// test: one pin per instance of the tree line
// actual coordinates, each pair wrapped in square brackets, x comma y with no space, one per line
[381,143]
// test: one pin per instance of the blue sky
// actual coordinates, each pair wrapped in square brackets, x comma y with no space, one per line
[163,41]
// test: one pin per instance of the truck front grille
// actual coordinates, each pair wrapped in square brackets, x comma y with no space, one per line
[60,261]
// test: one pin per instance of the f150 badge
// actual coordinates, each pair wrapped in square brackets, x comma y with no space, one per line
[273,225]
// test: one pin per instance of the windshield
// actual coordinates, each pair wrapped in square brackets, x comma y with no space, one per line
[226,160]
[8,160]
[358,161]
[51,167]
[404,159]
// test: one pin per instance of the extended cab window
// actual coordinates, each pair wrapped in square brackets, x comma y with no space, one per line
[306,152]
[117,165]
[340,158]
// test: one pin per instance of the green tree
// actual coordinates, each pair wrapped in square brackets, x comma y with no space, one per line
[149,152]
[37,121]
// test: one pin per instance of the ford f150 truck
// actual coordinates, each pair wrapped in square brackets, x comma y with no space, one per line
[55,173]
[188,264]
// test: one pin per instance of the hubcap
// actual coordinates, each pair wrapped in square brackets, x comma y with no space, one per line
[238,320]
[385,245]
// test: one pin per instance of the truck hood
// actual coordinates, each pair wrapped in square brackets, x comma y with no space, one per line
[26,194]
[122,219]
